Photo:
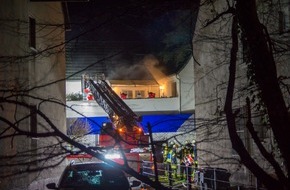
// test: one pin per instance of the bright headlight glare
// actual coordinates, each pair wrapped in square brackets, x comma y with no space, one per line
[112,156]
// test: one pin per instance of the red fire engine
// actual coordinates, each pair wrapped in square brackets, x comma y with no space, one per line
[124,131]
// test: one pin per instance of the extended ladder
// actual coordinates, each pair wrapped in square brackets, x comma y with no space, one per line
[122,117]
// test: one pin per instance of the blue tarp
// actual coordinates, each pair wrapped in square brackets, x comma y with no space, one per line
[159,123]
[164,123]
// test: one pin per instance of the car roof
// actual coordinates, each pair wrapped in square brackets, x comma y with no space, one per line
[92,165]
[87,163]
[108,172]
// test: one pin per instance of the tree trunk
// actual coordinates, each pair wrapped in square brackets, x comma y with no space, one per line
[237,143]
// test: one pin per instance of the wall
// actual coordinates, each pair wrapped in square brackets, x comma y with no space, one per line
[73,86]
[211,50]
[210,81]
[24,69]
[12,71]
[48,69]
[186,85]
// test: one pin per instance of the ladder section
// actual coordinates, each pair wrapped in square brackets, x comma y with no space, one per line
[122,117]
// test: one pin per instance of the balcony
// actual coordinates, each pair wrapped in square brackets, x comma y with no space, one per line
[140,106]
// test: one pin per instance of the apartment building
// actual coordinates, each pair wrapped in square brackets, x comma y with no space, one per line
[166,102]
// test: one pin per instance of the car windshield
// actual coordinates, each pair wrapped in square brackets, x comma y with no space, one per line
[93,177]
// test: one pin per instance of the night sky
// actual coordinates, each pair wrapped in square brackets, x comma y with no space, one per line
[122,34]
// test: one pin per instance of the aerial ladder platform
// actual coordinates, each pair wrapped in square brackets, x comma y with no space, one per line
[125,122]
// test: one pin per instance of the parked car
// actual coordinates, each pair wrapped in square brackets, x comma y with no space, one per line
[91,176]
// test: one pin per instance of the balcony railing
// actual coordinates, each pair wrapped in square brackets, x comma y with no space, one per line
[90,108]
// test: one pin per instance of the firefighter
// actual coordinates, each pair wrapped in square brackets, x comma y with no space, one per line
[181,156]
[195,163]
[164,151]
[166,157]
[194,154]
[188,161]
[185,155]
[171,158]
[174,160]
[169,153]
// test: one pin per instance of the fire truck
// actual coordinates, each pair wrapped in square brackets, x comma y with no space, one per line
[124,132]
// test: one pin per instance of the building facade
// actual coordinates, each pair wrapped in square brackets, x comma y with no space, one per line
[32,79]
[212,48]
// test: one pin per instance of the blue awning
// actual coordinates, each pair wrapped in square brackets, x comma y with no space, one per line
[159,123]
[164,123]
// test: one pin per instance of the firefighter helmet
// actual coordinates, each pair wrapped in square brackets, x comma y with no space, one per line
[171,143]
